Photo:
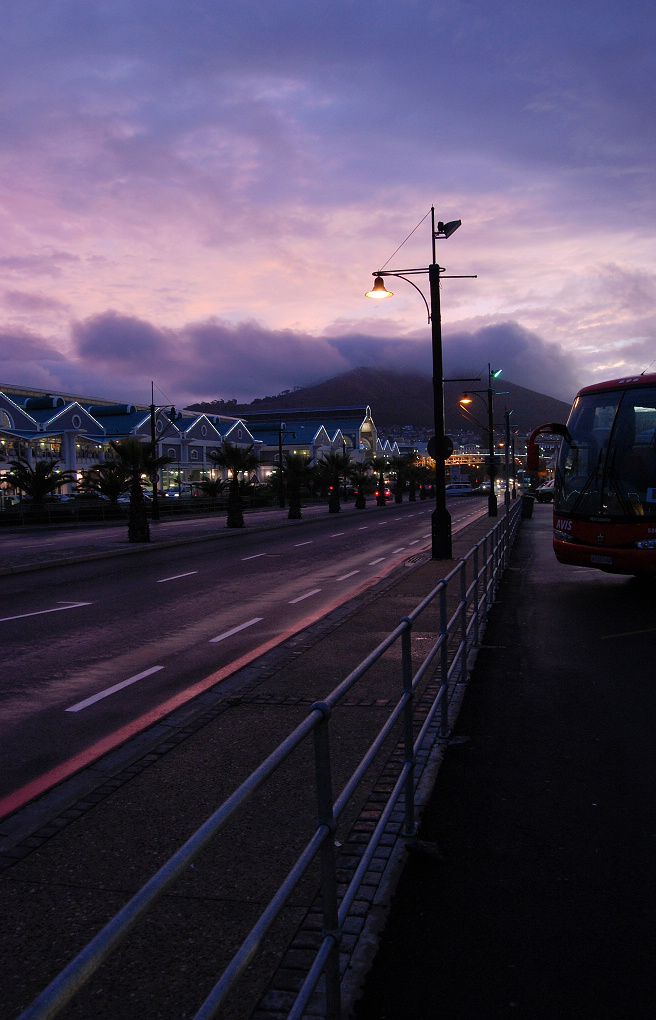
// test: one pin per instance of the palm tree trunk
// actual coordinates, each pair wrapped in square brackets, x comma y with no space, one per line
[138,527]
[235,505]
[294,492]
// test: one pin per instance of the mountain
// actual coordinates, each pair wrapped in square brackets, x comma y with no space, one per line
[404,398]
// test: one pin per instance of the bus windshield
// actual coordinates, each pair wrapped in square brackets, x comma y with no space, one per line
[609,467]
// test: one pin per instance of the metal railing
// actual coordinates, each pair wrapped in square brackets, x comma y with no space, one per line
[463,599]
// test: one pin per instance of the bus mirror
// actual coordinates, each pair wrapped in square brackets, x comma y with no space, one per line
[532,448]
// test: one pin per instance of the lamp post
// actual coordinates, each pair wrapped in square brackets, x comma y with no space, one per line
[441,546]
[492,505]
[514,466]
[281,434]
[153,441]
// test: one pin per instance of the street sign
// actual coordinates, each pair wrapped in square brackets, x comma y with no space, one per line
[447,448]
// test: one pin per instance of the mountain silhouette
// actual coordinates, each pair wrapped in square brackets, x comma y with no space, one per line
[405,398]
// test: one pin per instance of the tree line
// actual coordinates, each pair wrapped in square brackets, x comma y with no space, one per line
[131,460]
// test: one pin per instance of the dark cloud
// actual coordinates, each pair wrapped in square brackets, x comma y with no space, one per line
[119,340]
[525,357]
[213,359]
[20,347]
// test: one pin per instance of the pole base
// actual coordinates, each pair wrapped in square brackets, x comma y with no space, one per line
[441,546]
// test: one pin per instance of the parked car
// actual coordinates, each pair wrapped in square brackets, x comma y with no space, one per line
[88,494]
[545,493]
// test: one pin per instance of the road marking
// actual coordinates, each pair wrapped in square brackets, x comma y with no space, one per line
[337,534]
[299,544]
[307,595]
[628,633]
[400,549]
[380,523]
[176,576]
[364,528]
[112,690]
[42,612]
[344,576]
[379,560]
[235,630]
[416,541]
[255,557]
[427,536]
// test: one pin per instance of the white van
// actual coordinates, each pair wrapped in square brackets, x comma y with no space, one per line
[459,489]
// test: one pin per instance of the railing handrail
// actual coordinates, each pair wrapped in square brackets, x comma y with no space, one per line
[470,614]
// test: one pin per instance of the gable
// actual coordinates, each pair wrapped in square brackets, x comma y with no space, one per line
[14,417]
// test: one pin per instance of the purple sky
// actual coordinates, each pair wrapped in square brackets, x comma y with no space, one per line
[197,191]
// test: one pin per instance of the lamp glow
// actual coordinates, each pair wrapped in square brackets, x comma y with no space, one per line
[379,290]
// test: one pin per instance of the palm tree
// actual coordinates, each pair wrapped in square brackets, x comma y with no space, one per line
[379,464]
[412,474]
[359,475]
[212,487]
[334,466]
[296,469]
[40,480]
[238,460]
[424,475]
[399,468]
[110,479]
[137,459]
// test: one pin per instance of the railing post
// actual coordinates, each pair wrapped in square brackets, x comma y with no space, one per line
[476,598]
[328,865]
[444,659]
[463,621]
[486,582]
[409,828]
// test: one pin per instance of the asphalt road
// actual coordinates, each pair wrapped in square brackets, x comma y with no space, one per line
[96,651]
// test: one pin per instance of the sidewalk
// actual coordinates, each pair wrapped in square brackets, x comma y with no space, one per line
[535,896]
[34,548]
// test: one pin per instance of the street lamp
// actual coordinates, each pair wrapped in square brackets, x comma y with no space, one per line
[290,435]
[441,548]
[492,505]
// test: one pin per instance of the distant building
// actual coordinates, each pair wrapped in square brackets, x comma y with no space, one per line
[77,432]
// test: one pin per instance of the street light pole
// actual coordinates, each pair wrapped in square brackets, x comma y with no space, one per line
[492,506]
[506,459]
[441,542]
[281,492]
[153,441]
[441,545]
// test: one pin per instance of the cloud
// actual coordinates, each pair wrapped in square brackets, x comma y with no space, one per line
[119,341]
[24,301]
[170,161]
[213,359]
[19,346]
[525,358]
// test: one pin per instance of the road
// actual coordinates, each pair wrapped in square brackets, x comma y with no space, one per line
[95,652]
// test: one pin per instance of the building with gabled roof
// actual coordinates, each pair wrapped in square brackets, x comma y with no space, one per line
[77,431]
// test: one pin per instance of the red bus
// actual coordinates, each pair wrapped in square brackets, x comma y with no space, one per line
[605,487]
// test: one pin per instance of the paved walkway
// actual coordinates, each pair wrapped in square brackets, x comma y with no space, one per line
[535,894]
[33,548]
